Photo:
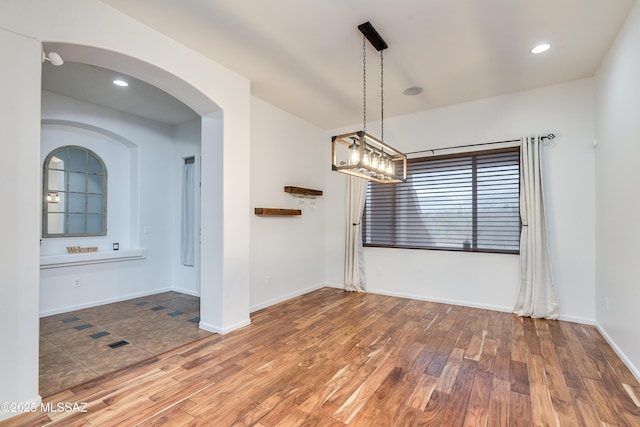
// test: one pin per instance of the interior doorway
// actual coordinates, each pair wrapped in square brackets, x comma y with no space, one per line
[82,332]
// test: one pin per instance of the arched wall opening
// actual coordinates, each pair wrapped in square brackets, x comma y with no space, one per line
[212,274]
[84,32]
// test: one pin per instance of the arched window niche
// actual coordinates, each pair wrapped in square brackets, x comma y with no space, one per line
[74,193]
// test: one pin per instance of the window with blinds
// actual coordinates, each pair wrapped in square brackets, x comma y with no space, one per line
[465,202]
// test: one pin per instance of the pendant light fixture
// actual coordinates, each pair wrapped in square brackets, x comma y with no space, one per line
[358,153]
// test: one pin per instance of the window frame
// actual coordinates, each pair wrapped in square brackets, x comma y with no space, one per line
[474,218]
[46,191]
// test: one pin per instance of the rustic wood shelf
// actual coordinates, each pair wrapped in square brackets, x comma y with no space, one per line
[302,191]
[277,211]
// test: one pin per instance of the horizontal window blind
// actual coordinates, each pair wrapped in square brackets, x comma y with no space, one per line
[467,202]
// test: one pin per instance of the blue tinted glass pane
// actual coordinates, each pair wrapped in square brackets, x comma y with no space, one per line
[77,182]
[77,160]
[77,202]
[94,203]
[93,165]
[94,183]
[76,224]
[94,224]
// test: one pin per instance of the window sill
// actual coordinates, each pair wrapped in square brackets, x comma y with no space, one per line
[87,258]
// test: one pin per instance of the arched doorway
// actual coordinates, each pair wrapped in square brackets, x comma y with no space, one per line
[141,52]
[142,234]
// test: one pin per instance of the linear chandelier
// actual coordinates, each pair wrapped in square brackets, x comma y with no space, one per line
[358,153]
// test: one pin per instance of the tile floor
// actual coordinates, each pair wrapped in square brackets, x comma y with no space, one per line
[81,345]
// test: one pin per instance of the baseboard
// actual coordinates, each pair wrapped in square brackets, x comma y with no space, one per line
[186,291]
[96,303]
[286,297]
[503,309]
[224,330]
[575,319]
[24,406]
[634,370]
[442,300]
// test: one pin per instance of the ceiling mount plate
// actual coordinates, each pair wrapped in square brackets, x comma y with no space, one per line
[372,35]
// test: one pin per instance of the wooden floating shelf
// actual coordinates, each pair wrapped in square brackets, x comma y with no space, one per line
[303,191]
[277,211]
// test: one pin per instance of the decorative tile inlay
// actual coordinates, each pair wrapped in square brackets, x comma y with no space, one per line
[99,334]
[83,353]
[118,344]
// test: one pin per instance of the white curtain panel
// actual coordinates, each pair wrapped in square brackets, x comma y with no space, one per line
[537,296]
[187,232]
[354,279]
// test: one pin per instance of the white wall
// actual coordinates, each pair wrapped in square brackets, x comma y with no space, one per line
[287,253]
[83,31]
[492,280]
[19,228]
[111,135]
[617,196]
[141,163]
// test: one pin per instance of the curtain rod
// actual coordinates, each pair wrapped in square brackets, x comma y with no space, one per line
[432,150]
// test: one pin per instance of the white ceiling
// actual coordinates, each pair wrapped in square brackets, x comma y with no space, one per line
[305,56]
[95,85]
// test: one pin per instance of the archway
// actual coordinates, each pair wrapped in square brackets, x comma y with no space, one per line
[137,50]
[68,51]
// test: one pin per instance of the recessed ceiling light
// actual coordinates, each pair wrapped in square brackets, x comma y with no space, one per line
[415,90]
[120,83]
[541,48]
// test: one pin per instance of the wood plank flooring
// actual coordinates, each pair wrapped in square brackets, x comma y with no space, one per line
[331,358]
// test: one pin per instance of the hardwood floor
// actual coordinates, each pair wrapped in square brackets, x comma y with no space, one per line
[331,358]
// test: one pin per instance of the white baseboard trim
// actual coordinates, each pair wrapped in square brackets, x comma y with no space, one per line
[442,300]
[634,370]
[224,330]
[186,291]
[500,308]
[20,408]
[575,319]
[286,297]
[101,302]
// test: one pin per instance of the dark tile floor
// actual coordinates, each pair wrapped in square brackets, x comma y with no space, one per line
[81,345]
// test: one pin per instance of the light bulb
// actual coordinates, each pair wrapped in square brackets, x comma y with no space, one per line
[354,156]
[391,167]
[375,160]
[383,163]
[366,158]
